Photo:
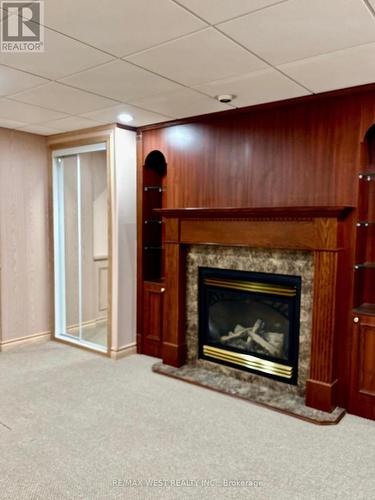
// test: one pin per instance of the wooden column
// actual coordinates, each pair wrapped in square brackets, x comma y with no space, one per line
[174,346]
[321,386]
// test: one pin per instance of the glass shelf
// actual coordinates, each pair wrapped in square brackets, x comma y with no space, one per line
[365,223]
[368,309]
[153,221]
[367,176]
[159,248]
[365,265]
[160,189]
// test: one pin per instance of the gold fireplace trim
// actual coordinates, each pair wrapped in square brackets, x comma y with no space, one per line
[250,286]
[249,361]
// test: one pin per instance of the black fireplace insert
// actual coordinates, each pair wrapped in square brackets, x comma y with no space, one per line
[250,321]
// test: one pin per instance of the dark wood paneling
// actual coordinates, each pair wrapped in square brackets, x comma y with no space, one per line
[367,360]
[297,228]
[362,383]
[149,245]
[303,152]
[362,390]
[174,344]
[320,388]
[152,318]
[260,234]
[284,234]
[345,280]
[261,213]
[300,154]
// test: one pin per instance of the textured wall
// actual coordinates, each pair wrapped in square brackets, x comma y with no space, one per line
[25,255]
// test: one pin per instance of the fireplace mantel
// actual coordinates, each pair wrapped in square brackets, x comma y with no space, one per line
[316,229]
[295,228]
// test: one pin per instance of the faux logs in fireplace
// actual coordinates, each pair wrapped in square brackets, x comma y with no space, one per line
[250,321]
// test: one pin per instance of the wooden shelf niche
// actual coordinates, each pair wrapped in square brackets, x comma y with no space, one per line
[150,276]
[364,299]
[154,191]
[362,385]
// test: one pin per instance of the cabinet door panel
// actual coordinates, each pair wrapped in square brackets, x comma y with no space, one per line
[362,386]
[367,359]
[152,318]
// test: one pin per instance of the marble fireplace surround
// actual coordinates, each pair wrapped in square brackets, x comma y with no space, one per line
[312,235]
[289,262]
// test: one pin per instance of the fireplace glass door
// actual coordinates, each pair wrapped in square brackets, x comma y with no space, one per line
[250,321]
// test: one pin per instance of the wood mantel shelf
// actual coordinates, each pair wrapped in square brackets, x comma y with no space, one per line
[256,212]
[295,228]
[320,230]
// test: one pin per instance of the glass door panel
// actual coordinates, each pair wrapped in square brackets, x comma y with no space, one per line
[81,247]
[69,176]
[94,216]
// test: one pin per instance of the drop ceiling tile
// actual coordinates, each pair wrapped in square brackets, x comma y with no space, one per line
[298,29]
[255,88]
[38,129]
[10,123]
[62,57]
[216,11]
[121,27]
[65,99]
[198,58]
[70,123]
[344,68]
[141,117]
[181,104]
[120,80]
[25,113]
[13,81]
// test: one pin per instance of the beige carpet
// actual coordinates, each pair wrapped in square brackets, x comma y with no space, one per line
[73,423]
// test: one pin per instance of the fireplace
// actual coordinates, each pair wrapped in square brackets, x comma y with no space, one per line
[322,232]
[250,321]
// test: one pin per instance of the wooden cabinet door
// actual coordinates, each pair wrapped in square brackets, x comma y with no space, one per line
[362,389]
[152,318]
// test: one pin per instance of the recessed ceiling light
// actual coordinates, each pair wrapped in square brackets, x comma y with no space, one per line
[125,118]
[225,98]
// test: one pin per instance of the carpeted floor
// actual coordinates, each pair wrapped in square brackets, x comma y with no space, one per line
[72,424]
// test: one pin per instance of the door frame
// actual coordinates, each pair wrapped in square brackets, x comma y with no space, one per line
[85,144]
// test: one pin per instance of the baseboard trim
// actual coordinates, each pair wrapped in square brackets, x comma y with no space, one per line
[91,322]
[123,352]
[5,345]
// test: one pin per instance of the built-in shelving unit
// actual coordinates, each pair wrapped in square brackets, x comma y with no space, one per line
[364,298]
[362,379]
[152,195]
[154,192]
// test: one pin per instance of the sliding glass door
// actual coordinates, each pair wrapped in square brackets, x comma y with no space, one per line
[81,246]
